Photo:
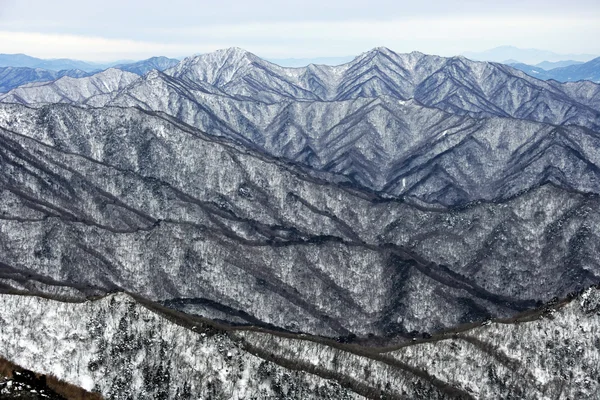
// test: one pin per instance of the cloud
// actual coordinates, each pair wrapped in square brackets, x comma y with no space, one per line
[448,35]
[85,47]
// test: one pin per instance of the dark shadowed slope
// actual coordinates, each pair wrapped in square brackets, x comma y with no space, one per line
[118,198]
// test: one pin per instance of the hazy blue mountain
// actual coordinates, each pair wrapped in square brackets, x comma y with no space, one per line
[22,60]
[525,56]
[589,71]
[142,67]
[58,64]
[548,65]
[12,77]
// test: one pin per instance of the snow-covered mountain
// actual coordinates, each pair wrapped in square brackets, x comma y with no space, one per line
[94,90]
[394,193]
[123,349]
[456,84]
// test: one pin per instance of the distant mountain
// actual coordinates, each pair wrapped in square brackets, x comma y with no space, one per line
[530,70]
[547,65]
[12,77]
[303,62]
[589,71]
[142,67]
[525,56]
[22,60]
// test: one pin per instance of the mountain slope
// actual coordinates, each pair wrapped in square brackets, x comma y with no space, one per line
[124,349]
[117,198]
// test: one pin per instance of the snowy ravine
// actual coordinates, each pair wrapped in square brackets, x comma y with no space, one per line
[124,350]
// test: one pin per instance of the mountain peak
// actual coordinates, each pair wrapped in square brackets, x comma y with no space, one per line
[217,67]
[380,50]
[229,52]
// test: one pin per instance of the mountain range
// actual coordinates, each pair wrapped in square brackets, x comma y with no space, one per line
[303,62]
[297,210]
[345,120]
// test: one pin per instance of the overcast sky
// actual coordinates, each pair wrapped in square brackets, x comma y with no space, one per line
[106,30]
